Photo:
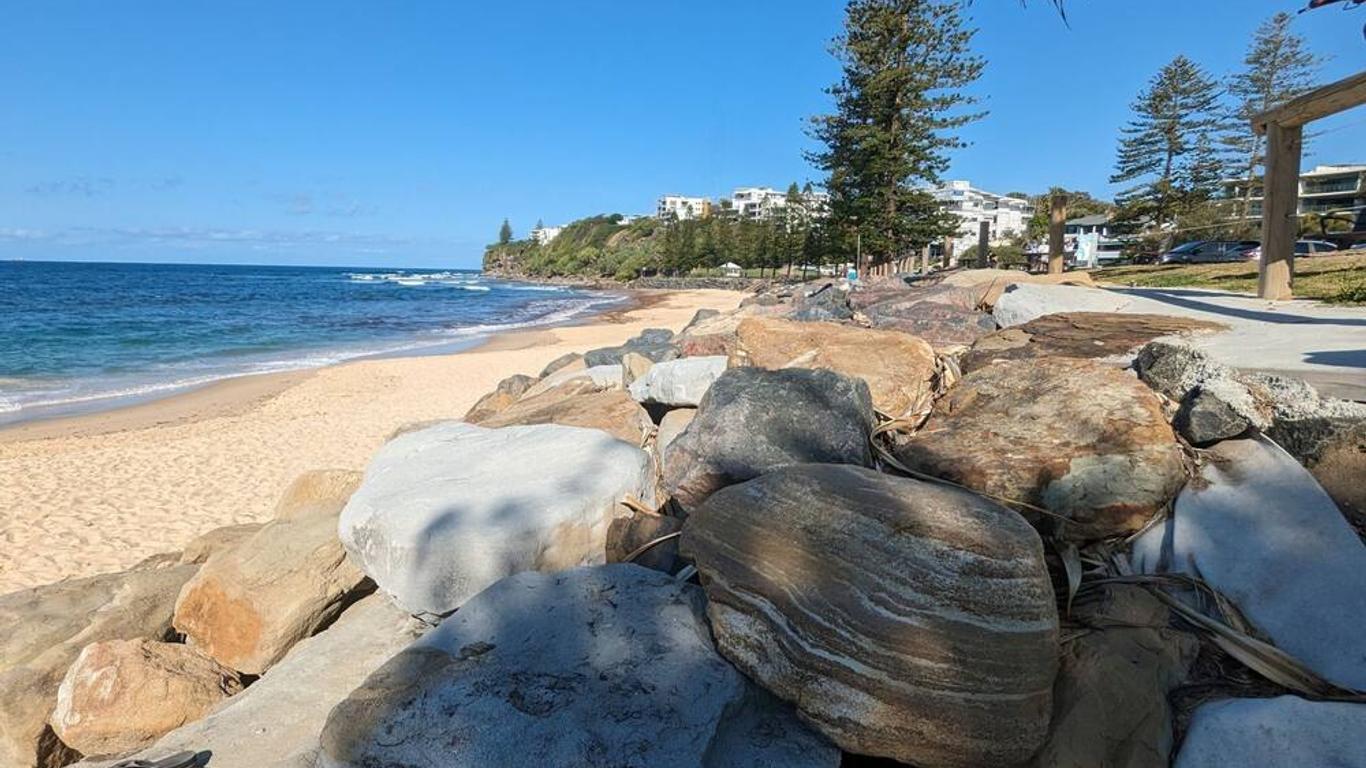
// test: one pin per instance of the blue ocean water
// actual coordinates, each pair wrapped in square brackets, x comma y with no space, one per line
[85,336]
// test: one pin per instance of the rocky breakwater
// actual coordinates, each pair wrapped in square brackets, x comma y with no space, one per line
[893,561]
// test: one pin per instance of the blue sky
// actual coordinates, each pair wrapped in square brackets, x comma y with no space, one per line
[401,133]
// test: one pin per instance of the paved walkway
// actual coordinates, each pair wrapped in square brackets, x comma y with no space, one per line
[1323,344]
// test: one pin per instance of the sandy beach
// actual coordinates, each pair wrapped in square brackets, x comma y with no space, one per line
[100,492]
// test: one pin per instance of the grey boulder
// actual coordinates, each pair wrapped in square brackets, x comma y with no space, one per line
[1023,302]
[610,666]
[447,511]
[1284,732]
[1261,531]
[654,343]
[904,619]
[752,421]
[680,382]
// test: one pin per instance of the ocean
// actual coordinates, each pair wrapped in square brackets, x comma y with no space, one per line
[79,337]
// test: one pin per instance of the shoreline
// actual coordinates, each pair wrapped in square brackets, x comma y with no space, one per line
[99,492]
[620,300]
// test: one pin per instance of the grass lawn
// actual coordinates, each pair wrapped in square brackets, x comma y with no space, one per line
[1339,278]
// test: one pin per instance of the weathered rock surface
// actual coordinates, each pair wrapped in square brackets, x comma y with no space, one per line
[989,284]
[250,604]
[46,628]
[565,361]
[897,368]
[1262,532]
[504,395]
[121,695]
[447,511]
[633,366]
[1082,439]
[1077,334]
[1110,701]
[205,545]
[825,302]
[1326,435]
[942,316]
[1204,419]
[653,343]
[275,723]
[904,619]
[752,421]
[671,426]
[318,492]
[680,382]
[612,411]
[1023,302]
[1284,732]
[579,380]
[595,666]
[630,533]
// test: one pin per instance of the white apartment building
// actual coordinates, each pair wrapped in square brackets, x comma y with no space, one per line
[683,208]
[1006,216]
[763,203]
[1323,189]
[543,235]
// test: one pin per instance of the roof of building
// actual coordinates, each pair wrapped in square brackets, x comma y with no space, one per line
[1332,170]
[1094,220]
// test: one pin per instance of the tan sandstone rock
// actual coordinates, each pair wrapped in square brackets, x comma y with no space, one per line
[203,546]
[505,394]
[903,619]
[897,367]
[1078,334]
[612,411]
[121,695]
[46,628]
[1085,440]
[248,605]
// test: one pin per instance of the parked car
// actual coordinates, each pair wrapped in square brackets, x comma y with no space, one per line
[1209,251]
[1303,248]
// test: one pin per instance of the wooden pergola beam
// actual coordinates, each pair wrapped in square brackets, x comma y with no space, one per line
[1320,102]
[1284,129]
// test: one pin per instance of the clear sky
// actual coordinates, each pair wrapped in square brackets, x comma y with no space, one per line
[401,133]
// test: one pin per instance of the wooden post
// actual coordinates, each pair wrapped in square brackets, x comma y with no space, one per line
[925,260]
[948,252]
[983,244]
[1057,220]
[1280,211]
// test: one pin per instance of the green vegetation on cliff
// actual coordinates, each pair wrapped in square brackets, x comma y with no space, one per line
[604,247]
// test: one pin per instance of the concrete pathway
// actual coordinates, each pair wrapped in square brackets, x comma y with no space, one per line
[1323,344]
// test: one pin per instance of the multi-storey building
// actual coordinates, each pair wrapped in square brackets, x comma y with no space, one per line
[1006,216]
[543,235]
[683,208]
[1324,189]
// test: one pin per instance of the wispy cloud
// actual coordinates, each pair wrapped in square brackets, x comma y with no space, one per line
[334,205]
[26,235]
[78,186]
[196,238]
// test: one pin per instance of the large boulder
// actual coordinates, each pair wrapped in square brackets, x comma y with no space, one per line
[1021,303]
[250,604]
[1085,440]
[569,360]
[654,343]
[275,723]
[612,411]
[898,368]
[447,511]
[752,421]
[903,619]
[594,666]
[207,544]
[1258,528]
[1078,334]
[1110,701]
[1325,434]
[504,395]
[121,695]
[579,380]
[825,302]
[942,316]
[680,382]
[1284,732]
[46,628]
